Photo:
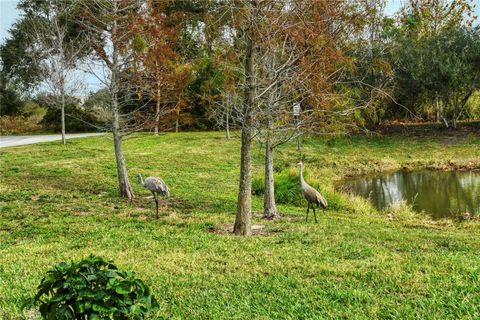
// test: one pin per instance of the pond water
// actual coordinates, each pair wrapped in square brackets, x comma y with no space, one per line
[440,194]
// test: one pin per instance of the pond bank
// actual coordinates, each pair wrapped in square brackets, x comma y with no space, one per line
[438,194]
[378,167]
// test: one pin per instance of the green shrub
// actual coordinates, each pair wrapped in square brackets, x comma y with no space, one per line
[92,289]
[77,119]
[287,190]
[33,111]
[258,186]
[280,165]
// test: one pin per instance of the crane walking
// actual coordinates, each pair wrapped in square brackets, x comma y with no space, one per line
[157,186]
[310,194]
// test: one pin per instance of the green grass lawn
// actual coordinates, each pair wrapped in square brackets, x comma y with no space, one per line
[59,203]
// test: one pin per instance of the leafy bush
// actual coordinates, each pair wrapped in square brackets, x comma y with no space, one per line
[77,119]
[33,111]
[92,289]
[11,100]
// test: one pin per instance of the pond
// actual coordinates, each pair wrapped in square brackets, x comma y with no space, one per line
[440,194]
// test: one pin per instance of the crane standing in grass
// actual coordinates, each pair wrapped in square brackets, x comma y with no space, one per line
[312,196]
[157,186]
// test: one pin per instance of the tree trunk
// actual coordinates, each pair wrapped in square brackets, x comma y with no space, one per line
[63,118]
[227,128]
[157,110]
[269,206]
[437,110]
[124,186]
[157,113]
[177,120]
[455,112]
[62,106]
[125,189]
[227,120]
[243,219]
[297,132]
[462,104]
[63,67]
[444,112]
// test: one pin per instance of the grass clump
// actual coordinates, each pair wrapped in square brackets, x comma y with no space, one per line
[287,190]
[401,210]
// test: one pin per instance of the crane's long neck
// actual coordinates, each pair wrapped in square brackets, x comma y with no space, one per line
[302,181]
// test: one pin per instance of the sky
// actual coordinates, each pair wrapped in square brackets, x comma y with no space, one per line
[8,15]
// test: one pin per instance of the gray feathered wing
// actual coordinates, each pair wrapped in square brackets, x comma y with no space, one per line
[321,200]
[157,185]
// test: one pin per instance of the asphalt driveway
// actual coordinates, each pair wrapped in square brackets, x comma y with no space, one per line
[12,141]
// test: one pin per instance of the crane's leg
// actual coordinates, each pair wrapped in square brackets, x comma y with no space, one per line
[308,208]
[156,202]
[315,214]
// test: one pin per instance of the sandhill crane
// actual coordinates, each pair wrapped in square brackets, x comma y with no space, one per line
[310,194]
[157,186]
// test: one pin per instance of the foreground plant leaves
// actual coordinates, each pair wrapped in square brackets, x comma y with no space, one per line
[92,288]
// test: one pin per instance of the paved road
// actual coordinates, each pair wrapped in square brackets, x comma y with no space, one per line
[11,141]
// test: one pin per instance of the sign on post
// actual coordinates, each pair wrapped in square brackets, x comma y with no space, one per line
[296,114]
[296,109]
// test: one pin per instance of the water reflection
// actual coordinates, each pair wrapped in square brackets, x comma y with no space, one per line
[440,194]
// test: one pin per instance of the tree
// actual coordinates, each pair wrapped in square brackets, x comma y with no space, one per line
[43,50]
[18,67]
[371,54]
[227,99]
[243,219]
[455,56]
[291,52]
[277,71]
[200,30]
[56,52]
[182,77]
[299,57]
[11,101]
[109,33]
[421,19]
[436,57]
[225,110]
[156,55]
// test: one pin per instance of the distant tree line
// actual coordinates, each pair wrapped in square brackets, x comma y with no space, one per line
[425,59]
